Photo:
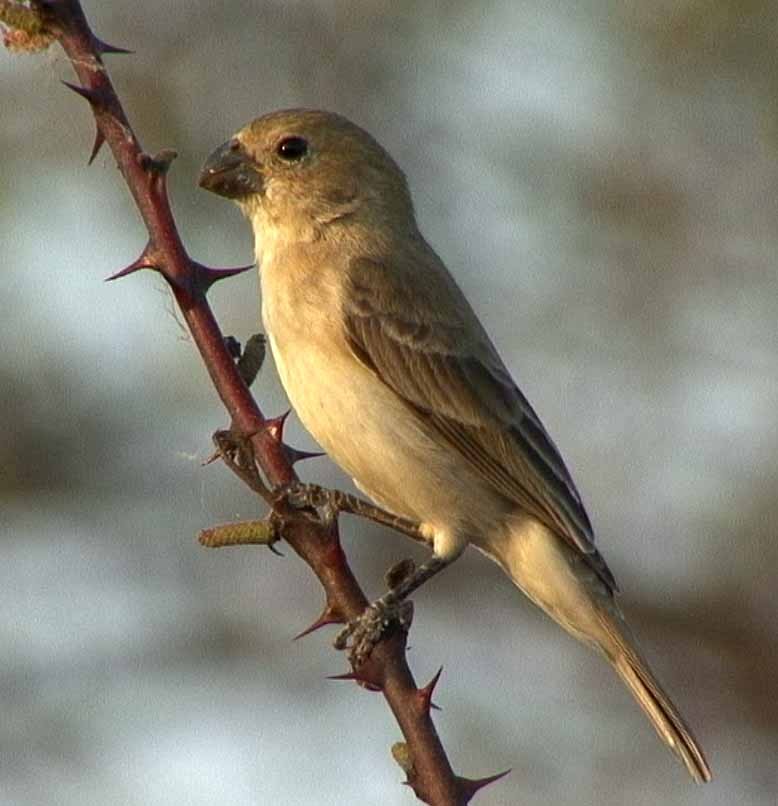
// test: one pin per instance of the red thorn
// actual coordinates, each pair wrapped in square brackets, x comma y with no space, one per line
[424,694]
[344,676]
[103,47]
[214,457]
[147,260]
[159,163]
[206,276]
[275,426]
[99,140]
[94,97]
[131,269]
[469,787]
[294,455]
[368,684]
[328,616]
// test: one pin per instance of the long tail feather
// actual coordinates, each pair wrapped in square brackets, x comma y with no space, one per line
[658,707]
[574,594]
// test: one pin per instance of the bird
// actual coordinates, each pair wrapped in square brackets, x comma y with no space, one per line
[390,370]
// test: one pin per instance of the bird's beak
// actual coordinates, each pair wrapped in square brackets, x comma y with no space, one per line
[231,172]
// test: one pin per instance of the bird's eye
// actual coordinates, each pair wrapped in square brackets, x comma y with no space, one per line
[292,149]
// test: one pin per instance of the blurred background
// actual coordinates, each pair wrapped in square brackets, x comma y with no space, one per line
[601,179]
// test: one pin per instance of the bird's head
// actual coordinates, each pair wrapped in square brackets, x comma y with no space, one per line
[301,170]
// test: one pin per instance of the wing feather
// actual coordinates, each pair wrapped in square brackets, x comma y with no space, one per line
[451,374]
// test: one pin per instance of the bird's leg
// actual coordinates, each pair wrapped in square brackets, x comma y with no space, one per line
[332,502]
[391,610]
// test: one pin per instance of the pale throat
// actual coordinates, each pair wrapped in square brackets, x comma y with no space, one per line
[271,238]
[260,242]
[264,235]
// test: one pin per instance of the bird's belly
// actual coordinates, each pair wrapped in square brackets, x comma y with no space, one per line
[381,442]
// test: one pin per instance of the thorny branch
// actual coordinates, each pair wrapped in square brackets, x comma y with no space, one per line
[33,26]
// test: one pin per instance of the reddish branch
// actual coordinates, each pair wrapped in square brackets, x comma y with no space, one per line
[429,772]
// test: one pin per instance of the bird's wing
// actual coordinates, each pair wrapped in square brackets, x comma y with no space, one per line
[448,370]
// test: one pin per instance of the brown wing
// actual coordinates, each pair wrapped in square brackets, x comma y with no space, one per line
[451,374]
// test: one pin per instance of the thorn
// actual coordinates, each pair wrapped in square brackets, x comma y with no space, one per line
[344,676]
[214,457]
[159,163]
[147,260]
[274,550]
[103,47]
[425,694]
[469,786]
[275,425]
[95,97]
[328,616]
[368,684]
[131,269]
[99,140]
[294,455]
[150,258]
[205,276]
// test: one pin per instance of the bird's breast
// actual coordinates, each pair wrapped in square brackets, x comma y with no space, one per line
[351,415]
[380,440]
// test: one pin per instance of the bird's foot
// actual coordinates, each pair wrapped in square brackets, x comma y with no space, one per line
[308,496]
[382,617]
[378,621]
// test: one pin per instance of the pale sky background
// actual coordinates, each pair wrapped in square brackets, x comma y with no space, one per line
[602,179]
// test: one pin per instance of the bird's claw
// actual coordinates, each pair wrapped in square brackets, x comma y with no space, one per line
[377,621]
[307,496]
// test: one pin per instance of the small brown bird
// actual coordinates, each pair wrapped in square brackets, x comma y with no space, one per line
[388,367]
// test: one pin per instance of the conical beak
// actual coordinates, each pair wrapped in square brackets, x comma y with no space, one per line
[231,172]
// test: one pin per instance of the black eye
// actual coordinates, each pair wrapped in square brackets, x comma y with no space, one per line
[292,148]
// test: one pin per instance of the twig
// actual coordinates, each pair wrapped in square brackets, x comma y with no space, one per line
[317,542]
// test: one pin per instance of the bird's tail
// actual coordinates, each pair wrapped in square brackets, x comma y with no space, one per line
[558,579]
[657,706]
